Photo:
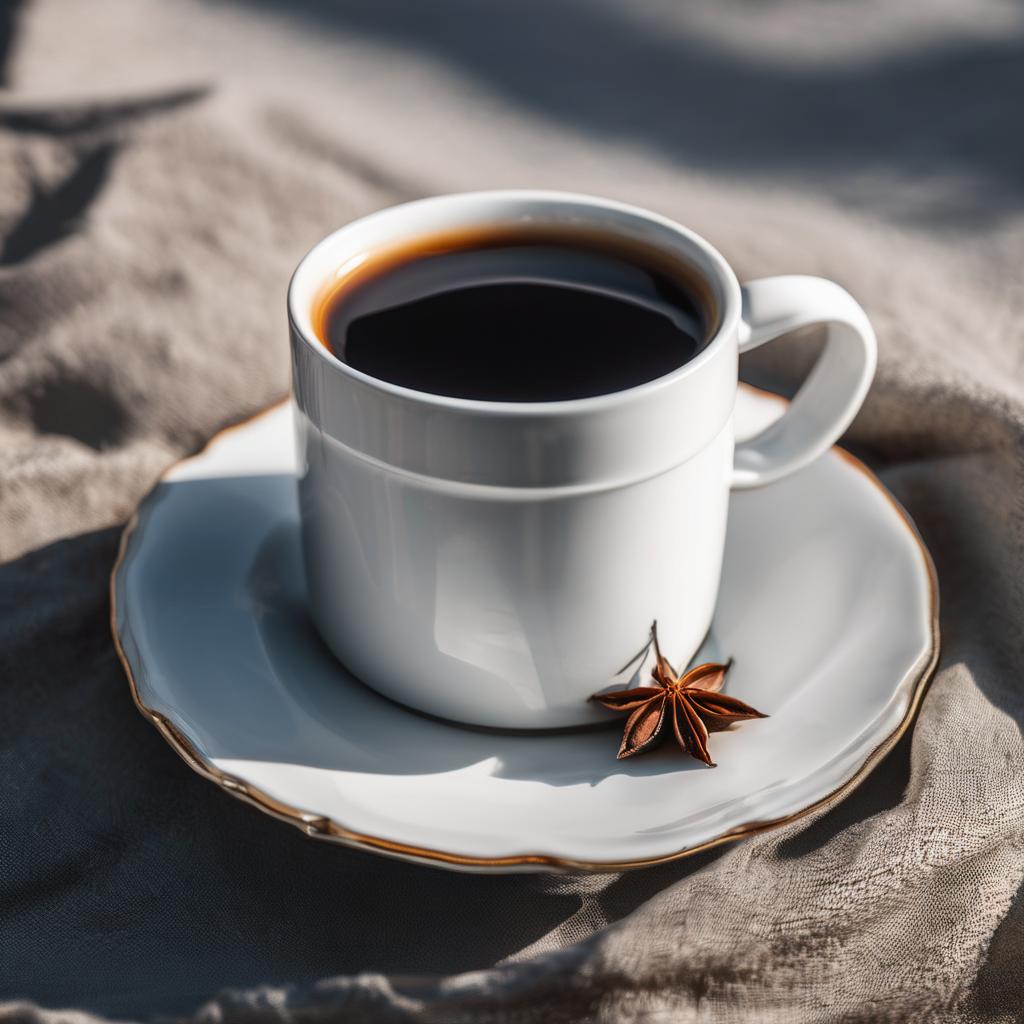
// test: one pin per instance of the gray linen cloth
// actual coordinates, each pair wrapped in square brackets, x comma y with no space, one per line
[162,168]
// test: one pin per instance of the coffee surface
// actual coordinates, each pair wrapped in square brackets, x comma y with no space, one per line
[513,320]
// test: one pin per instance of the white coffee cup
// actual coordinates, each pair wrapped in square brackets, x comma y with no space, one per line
[496,563]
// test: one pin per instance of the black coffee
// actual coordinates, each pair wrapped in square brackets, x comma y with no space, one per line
[509,316]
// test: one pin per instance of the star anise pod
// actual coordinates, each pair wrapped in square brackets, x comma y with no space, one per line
[690,706]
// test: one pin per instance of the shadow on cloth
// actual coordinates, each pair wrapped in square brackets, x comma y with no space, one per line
[123,867]
[156,876]
[932,111]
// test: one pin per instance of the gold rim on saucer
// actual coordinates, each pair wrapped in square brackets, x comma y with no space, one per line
[319,827]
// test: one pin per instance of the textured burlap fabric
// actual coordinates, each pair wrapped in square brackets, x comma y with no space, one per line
[162,168]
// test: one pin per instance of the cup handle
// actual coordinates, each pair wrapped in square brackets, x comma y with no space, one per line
[834,390]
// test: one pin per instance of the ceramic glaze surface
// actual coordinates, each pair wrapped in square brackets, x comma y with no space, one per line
[511,609]
[827,603]
[522,550]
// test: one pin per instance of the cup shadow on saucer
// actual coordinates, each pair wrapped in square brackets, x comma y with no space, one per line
[309,709]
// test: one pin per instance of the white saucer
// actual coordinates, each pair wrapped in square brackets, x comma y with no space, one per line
[828,606]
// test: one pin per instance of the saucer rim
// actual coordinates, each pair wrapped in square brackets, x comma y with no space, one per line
[318,826]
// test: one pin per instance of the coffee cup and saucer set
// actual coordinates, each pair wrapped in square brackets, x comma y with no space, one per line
[520,578]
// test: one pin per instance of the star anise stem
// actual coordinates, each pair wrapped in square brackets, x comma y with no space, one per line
[662,661]
[691,702]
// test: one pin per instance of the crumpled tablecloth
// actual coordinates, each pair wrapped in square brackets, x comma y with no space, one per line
[162,168]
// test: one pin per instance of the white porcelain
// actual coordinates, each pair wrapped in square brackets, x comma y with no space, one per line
[521,551]
[827,605]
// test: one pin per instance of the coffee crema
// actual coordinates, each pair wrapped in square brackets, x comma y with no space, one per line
[515,314]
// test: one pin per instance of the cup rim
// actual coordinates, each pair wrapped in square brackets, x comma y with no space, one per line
[300,321]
